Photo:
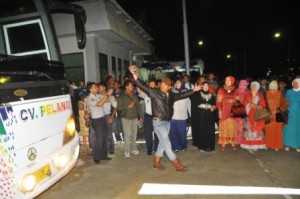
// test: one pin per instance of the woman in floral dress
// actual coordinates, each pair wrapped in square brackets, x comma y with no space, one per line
[226,96]
[253,131]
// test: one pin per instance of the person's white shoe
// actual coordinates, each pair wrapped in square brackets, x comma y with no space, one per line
[127,155]
[287,148]
[135,152]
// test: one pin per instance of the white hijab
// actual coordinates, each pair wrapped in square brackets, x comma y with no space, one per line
[298,81]
[257,85]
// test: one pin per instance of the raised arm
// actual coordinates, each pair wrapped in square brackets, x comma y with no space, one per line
[105,99]
[185,94]
[134,71]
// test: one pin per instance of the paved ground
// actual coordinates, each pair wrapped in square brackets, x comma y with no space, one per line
[122,178]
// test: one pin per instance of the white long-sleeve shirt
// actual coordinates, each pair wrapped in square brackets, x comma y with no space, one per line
[182,109]
[147,100]
[107,106]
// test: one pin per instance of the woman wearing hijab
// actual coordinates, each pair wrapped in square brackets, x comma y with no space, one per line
[203,119]
[178,124]
[275,100]
[242,91]
[291,135]
[253,131]
[226,96]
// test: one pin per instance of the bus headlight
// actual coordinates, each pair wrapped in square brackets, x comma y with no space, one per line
[28,182]
[69,130]
[61,161]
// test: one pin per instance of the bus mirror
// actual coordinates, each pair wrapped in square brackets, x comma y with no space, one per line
[80,31]
[79,18]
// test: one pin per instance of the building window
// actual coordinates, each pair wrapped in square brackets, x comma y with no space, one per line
[103,65]
[119,73]
[74,66]
[113,65]
[126,71]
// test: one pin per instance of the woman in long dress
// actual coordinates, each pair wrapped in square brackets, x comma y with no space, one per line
[275,100]
[203,119]
[253,135]
[242,91]
[226,96]
[291,136]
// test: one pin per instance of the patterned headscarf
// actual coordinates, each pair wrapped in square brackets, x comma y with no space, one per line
[298,81]
[257,85]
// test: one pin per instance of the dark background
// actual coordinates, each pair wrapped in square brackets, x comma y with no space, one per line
[244,28]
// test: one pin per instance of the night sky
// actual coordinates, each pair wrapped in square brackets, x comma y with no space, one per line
[243,28]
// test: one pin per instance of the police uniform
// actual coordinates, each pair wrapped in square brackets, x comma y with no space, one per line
[98,123]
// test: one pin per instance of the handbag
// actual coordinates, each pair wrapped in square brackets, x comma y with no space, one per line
[238,110]
[282,116]
[262,114]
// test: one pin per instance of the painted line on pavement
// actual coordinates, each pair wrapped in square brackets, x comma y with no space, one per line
[181,189]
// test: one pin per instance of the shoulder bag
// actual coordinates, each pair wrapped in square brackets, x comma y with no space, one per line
[238,110]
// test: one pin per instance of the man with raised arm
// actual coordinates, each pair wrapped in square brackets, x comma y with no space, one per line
[162,110]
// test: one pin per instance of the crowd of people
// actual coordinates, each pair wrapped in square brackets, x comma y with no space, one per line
[109,112]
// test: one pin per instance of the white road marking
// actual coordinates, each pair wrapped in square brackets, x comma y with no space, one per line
[180,189]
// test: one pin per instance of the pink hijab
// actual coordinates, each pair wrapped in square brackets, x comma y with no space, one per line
[242,92]
[244,82]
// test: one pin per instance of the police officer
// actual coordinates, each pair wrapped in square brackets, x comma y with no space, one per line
[95,103]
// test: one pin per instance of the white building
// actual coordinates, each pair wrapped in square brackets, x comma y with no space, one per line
[114,39]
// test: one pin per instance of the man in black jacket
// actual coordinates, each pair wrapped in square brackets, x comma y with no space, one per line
[162,102]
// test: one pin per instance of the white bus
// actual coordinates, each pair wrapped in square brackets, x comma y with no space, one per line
[38,141]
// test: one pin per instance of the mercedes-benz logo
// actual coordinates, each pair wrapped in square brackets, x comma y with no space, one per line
[31,153]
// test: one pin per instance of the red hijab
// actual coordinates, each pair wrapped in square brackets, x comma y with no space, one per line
[231,86]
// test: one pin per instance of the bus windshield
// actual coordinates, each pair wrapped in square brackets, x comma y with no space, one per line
[29,69]
[16,7]
[28,46]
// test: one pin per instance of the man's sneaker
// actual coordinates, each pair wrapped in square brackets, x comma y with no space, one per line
[127,155]
[135,152]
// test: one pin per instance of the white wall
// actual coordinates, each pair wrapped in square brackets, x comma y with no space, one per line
[97,21]
[91,59]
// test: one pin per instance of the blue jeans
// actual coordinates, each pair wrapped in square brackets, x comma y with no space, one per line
[162,128]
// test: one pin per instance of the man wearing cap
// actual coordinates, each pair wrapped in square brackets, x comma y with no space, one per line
[162,110]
